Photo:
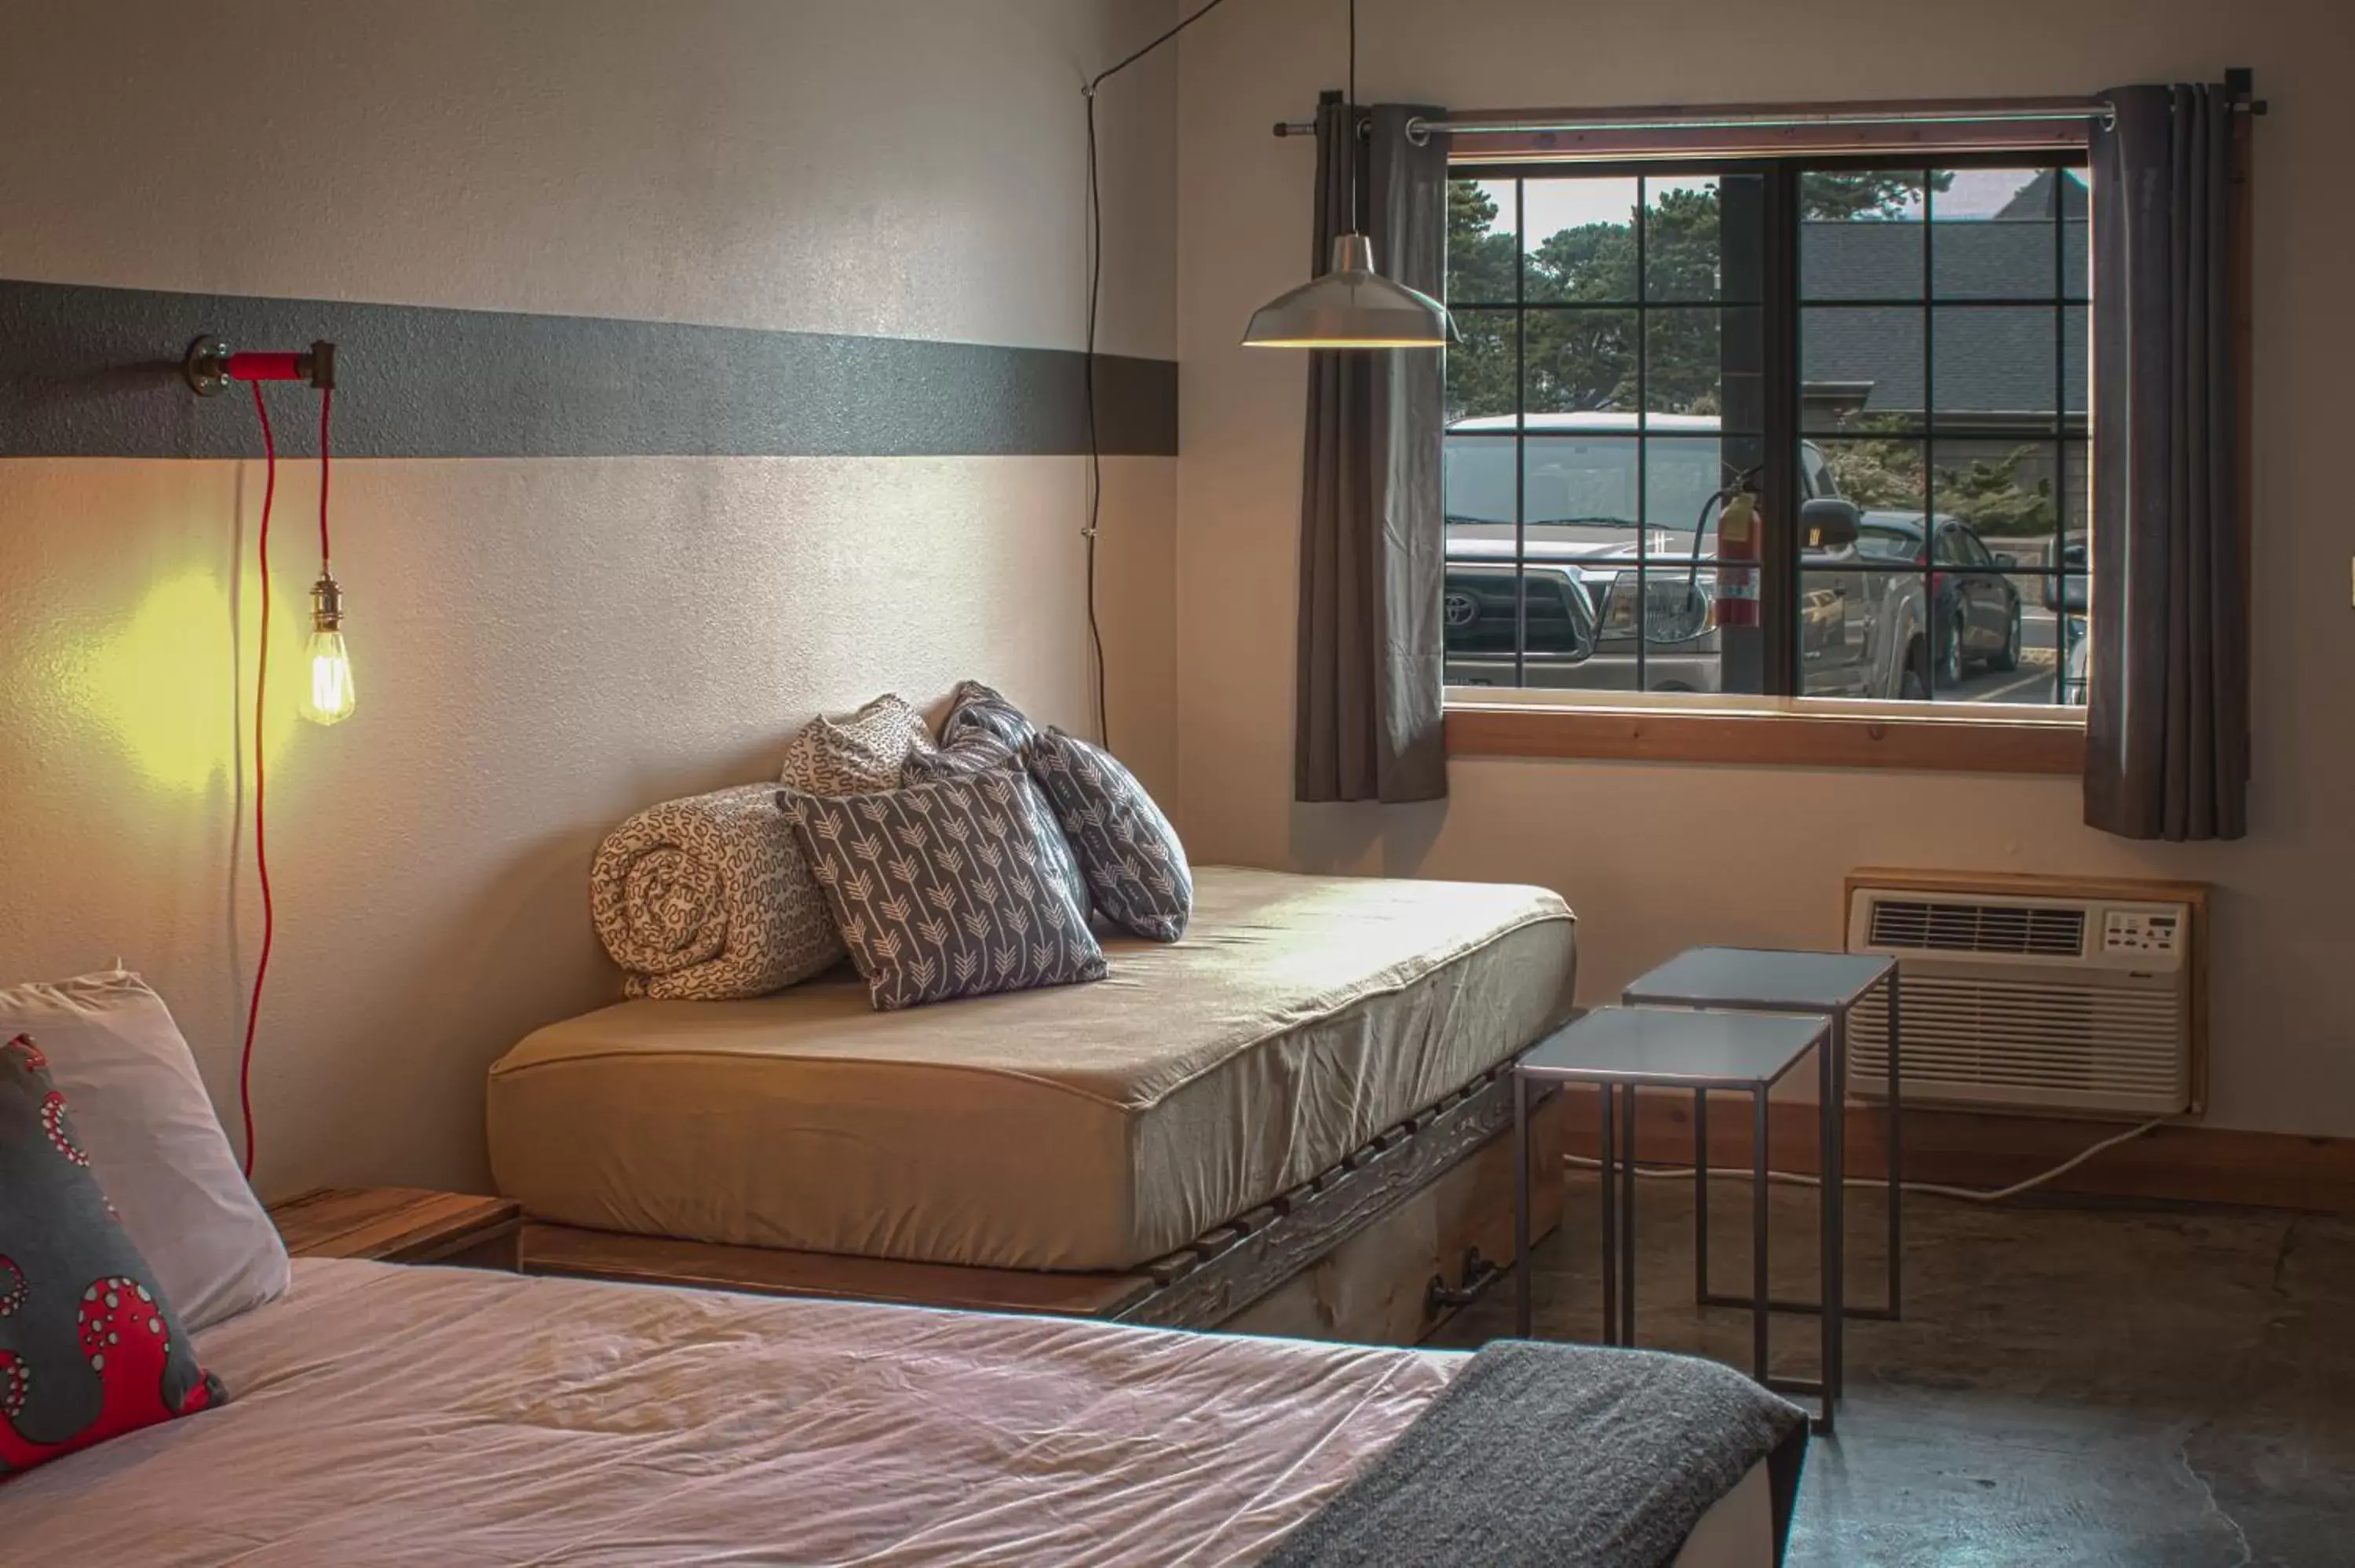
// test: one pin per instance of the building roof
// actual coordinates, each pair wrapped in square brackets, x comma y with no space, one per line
[1987,358]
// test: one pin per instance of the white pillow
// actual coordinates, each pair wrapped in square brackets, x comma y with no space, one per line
[141,1113]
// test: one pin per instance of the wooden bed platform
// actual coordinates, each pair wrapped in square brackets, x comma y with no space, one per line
[1379,1249]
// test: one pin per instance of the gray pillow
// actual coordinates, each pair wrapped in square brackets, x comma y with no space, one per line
[1136,867]
[976,707]
[976,752]
[973,749]
[948,889]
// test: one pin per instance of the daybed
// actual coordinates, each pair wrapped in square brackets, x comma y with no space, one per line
[1312,1069]
[381,1415]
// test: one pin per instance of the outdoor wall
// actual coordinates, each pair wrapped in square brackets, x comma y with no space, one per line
[543,644]
[1656,858]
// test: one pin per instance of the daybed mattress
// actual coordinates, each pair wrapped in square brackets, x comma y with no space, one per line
[1090,1127]
[389,1415]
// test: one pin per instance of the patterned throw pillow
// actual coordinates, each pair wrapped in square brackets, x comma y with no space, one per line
[855,755]
[976,752]
[88,1349]
[947,890]
[1136,867]
[976,707]
[973,750]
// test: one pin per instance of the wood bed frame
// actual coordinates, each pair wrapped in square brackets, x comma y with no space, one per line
[1381,1248]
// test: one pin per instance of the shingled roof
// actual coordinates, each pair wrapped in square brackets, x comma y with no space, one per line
[1989,358]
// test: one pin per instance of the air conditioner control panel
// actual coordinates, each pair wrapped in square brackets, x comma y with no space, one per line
[2142,931]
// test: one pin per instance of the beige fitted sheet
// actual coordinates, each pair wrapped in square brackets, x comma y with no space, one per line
[390,1415]
[1083,1127]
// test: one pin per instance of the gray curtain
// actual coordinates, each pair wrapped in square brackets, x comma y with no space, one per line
[2168,720]
[1372,567]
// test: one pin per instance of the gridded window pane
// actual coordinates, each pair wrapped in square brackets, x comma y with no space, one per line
[1578,238]
[1993,234]
[1579,361]
[1995,364]
[1995,641]
[2076,357]
[1581,493]
[2076,493]
[1976,621]
[1883,476]
[1478,482]
[1483,245]
[1491,611]
[2076,236]
[2006,492]
[1859,631]
[1681,475]
[1482,369]
[1860,369]
[1681,651]
[1687,235]
[1706,364]
[1861,236]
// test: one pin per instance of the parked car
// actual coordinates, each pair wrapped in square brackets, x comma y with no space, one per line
[1863,632]
[1975,615]
[2069,598]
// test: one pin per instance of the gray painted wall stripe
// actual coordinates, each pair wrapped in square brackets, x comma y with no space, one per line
[91,371]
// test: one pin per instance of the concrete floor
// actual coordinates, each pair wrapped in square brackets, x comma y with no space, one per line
[2073,1385]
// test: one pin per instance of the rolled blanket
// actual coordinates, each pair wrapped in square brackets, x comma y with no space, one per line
[709,897]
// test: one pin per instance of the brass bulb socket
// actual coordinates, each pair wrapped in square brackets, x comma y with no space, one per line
[326,604]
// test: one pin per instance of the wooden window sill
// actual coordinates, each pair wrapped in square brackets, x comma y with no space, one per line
[1770,737]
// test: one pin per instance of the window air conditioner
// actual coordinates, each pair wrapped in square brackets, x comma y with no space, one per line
[2052,1001]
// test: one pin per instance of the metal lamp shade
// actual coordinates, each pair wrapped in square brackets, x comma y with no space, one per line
[1351,306]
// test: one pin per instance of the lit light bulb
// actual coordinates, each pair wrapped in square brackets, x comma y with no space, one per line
[330,698]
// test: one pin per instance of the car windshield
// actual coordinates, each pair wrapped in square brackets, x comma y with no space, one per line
[1883,543]
[1586,479]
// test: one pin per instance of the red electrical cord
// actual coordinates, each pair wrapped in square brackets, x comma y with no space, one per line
[326,407]
[260,820]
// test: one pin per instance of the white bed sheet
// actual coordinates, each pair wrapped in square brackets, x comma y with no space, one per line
[416,1416]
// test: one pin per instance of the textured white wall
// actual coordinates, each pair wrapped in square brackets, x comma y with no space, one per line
[1657,858]
[542,646]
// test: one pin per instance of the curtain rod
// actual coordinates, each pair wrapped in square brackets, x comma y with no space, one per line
[2012,111]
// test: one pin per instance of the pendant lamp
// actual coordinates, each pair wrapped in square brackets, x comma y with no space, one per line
[1351,306]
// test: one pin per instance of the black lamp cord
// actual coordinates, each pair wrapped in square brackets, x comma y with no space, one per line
[1088,360]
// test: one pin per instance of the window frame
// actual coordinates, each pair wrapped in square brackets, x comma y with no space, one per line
[1794,728]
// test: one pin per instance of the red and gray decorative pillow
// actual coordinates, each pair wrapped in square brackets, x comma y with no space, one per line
[88,1349]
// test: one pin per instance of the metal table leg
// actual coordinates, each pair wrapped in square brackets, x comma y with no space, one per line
[1839,1076]
[1896,1159]
[1701,1196]
[1627,1214]
[1832,1128]
[1521,1313]
[1609,1226]
[1758,1303]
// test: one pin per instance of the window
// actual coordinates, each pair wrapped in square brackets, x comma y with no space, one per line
[1886,365]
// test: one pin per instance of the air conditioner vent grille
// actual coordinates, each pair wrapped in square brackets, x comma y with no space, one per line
[1945,927]
[1991,1035]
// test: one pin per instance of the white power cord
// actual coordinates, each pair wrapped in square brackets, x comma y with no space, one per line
[1967,1194]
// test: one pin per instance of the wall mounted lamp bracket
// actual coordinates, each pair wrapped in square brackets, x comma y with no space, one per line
[211,366]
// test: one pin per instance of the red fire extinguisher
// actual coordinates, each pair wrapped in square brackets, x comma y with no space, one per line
[1738,549]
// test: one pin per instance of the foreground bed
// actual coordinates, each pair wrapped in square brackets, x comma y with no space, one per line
[389,1415]
[1316,1056]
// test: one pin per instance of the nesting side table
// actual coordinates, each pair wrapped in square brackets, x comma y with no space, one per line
[1621,1049]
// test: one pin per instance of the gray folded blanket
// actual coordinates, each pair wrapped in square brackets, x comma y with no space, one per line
[1548,1454]
[710,898]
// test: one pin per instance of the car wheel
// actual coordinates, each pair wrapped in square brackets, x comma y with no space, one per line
[1951,662]
[2010,658]
[1914,679]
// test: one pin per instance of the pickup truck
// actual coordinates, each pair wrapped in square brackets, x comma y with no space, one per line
[1868,626]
